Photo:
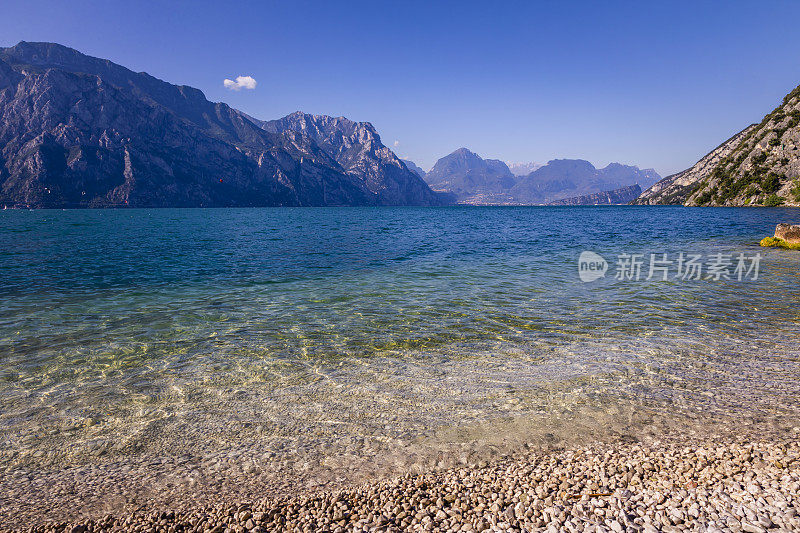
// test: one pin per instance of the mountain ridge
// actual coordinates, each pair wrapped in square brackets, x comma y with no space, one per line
[357,147]
[566,178]
[79,131]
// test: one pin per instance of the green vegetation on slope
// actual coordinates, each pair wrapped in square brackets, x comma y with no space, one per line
[757,171]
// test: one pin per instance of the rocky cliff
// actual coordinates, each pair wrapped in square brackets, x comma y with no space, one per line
[760,165]
[621,196]
[674,189]
[78,131]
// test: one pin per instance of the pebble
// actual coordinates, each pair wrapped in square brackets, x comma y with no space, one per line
[736,486]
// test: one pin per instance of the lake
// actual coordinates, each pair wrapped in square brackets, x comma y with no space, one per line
[182,355]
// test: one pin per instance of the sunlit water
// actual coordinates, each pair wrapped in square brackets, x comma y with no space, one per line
[179,356]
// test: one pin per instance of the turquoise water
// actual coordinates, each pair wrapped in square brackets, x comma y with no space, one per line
[309,347]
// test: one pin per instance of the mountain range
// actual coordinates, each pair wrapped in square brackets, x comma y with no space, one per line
[478,181]
[78,131]
[760,165]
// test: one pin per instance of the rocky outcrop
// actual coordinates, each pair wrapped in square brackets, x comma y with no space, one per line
[758,166]
[787,232]
[786,236]
[472,179]
[620,196]
[78,131]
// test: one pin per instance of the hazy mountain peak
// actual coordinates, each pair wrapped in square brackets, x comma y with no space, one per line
[573,164]
[522,168]
[471,178]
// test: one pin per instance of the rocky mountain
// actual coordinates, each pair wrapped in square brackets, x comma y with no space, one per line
[621,196]
[760,165]
[413,167]
[357,147]
[472,179]
[567,178]
[78,131]
[523,169]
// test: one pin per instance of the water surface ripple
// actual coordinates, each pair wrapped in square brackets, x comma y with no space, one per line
[188,354]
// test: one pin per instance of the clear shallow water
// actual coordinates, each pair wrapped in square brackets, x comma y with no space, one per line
[213,352]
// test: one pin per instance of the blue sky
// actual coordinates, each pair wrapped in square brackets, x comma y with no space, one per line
[646,83]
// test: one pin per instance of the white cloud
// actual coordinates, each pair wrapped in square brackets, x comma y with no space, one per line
[242,82]
[396,144]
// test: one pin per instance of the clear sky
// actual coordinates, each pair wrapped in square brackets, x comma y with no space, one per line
[657,84]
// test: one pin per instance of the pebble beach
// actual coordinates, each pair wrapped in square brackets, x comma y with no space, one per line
[747,485]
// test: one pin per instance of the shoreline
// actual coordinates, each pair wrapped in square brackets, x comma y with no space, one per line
[674,484]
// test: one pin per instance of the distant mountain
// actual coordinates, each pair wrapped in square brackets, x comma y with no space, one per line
[78,131]
[621,196]
[414,168]
[472,179]
[644,177]
[478,181]
[760,165]
[567,178]
[523,169]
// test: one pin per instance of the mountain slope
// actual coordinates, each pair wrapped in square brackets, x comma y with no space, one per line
[620,196]
[78,131]
[413,167]
[758,166]
[674,189]
[357,147]
[472,179]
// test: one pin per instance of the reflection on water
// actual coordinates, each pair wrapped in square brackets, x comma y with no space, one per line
[245,351]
